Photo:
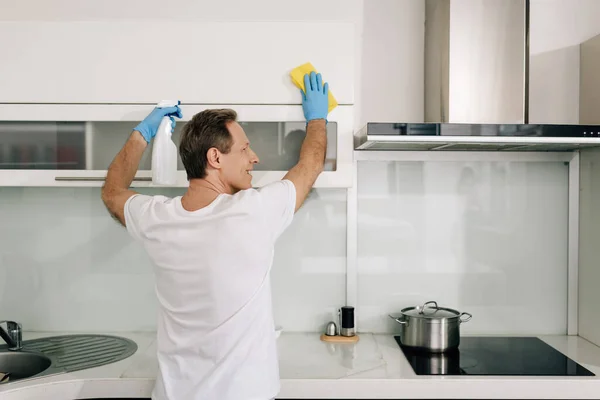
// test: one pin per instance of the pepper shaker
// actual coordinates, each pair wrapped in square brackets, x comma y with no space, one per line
[347,321]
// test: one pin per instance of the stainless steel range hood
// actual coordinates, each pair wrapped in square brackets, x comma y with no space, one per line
[476,87]
[476,137]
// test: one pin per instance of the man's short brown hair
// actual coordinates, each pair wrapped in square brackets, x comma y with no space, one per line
[205,130]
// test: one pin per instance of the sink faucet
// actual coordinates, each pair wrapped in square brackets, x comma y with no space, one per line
[12,335]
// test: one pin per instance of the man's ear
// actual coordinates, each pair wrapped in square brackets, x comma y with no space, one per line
[213,155]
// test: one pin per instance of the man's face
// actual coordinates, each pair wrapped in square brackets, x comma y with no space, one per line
[237,164]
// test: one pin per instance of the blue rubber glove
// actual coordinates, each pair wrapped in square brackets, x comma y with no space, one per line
[315,102]
[150,124]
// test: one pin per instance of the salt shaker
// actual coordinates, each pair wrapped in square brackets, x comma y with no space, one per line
[331,329]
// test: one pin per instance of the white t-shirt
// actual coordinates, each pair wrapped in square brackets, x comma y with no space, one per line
[215,331]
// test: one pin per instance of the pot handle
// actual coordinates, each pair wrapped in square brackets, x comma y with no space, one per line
[398,320]
[421,309]
[465,320]
[431,302]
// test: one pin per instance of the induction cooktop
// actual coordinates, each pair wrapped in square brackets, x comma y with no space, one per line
[495,356]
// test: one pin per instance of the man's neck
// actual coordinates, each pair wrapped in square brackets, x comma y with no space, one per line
[202,192]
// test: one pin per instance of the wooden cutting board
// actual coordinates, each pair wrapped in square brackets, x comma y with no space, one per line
[340,339]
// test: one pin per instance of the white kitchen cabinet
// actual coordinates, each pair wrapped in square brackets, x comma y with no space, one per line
[197,62]
[73,145]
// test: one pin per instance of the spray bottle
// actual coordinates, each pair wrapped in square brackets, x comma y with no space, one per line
[164,151]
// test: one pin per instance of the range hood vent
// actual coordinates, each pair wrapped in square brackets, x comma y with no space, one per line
[476,87]
[476,137]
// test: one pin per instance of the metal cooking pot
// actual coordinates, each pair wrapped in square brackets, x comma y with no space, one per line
[430,328]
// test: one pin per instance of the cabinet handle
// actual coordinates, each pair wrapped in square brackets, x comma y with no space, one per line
[94,178]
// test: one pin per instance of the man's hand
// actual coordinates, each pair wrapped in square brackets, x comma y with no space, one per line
[122,170]
[315,102]
[150,124]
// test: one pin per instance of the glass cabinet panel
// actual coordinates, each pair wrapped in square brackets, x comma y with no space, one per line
[278,144]
[42,145]
[93,145]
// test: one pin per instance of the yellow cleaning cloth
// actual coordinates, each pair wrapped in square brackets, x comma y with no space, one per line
[297,75]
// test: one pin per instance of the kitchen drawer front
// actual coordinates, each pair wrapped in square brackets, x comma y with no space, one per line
[73,145]
[108,62]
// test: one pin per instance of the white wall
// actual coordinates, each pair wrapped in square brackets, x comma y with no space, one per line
[557,24]
[589,247]
[589,92]
[473,236]
[65,265]
[488,238]
[557,29]
[554,86]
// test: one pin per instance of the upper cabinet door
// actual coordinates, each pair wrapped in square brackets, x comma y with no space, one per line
[73,145]
[193,61]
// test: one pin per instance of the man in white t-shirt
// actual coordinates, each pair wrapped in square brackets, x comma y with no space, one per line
[213,249]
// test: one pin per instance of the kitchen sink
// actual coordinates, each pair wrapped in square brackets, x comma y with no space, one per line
[20,364]
[59,354]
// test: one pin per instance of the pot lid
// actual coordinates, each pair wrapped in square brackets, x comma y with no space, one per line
[431,310]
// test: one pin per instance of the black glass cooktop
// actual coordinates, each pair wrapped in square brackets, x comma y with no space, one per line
[495,356]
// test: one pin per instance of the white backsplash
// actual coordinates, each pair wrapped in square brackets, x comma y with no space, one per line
[488,238]
[65,265]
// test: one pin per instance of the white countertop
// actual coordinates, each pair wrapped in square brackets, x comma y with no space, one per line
[373,368]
